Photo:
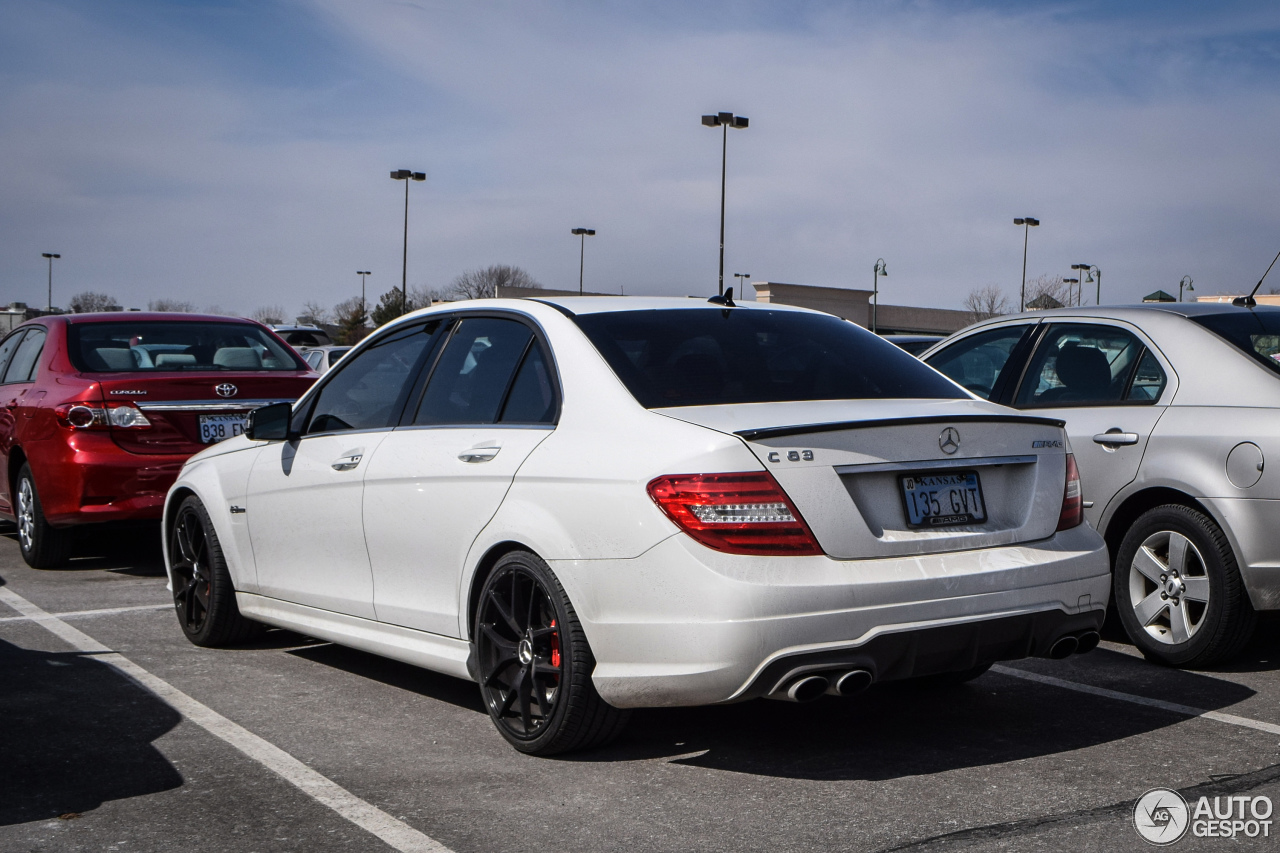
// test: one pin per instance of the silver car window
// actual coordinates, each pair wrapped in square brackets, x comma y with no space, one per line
[1080,364]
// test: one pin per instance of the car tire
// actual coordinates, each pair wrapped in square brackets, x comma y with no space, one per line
[203,594]
[534,663]
[1178,590]
[43,546]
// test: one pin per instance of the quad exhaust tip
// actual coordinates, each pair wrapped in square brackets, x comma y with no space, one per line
[1064,647]
[851,683]
[807,689]
[1087,642]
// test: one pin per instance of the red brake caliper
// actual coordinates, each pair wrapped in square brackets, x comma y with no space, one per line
[555,646]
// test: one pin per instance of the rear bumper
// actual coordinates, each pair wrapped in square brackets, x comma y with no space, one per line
[684,625]
[1253,525]
[87,478]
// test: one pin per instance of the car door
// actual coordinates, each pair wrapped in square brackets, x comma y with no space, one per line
[305,496]
[438,479]
[1111,387]
[10,397]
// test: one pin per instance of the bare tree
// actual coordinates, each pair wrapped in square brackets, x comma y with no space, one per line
[1047,291]
[985,302]
[84,303]
[484,283]
[314,312]
[175,306]
[268,314]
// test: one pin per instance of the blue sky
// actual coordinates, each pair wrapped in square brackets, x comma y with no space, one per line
[237,153]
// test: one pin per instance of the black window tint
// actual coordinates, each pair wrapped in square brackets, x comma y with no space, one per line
[137,346]
[474,371]
[976,361]
[7,347]
[1255,332]
[25,357]
[1079,364]
[1148,382]
[532,399]
[368,391]
[709,356]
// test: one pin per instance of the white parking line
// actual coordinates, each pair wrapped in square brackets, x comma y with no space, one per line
[104,611]
[368,817]
[1217,716]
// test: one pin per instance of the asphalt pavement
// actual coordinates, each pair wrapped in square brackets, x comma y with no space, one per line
[116,734]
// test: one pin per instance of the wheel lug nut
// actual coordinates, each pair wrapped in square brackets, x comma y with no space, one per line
[1164,596]
[1163,578]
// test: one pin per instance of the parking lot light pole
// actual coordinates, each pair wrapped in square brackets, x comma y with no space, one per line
[742,283]
[724,121]
[50,256]
[1186,282]
[406,175]
[1085,277]
[1069,282]
[1027,224]
[364,306]
[1095,275]
[583,234]
[880,269]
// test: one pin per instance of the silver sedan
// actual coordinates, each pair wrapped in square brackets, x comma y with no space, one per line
[1171,411]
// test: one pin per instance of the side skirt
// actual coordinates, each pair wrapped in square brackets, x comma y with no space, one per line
[446,655]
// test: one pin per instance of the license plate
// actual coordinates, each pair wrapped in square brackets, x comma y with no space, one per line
[939,500]
[218,427]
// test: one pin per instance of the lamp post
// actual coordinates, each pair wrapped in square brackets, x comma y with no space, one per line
[742,283]
[725,121]
[406,175]
[879,270]
[1027,224]
[1068,282]
[1085,270]
[364,306]
[1186,282]
[50,256]
[583,234]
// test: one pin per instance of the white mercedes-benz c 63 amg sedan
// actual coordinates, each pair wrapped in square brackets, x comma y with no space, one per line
[593,504]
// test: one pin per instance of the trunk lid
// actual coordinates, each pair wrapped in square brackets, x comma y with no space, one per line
[843,464]
[175,402]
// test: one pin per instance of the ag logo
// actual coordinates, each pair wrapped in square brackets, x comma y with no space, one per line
[949,441]
[226,389]
[1161,816]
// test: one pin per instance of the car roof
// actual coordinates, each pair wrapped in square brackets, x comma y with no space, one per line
[1136,311]
[605,304]
[150,316]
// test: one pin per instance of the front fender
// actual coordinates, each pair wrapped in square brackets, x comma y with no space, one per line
[219,482]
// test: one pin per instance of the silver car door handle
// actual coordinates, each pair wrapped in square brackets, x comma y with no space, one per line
[479,454]
[1116,437]
[346,463]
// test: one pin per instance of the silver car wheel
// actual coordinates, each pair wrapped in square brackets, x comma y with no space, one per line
[1169,587]
[26,514]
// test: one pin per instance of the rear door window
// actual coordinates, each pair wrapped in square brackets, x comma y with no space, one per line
[1080,364]
[22,367]
[475,371]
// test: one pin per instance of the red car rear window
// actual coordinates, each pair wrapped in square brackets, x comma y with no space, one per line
[149,346]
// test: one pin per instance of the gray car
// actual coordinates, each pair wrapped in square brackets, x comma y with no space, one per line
[1172,411]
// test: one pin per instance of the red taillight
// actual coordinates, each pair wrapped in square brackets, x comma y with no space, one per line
[736,513]
[1072,503]
[85,416]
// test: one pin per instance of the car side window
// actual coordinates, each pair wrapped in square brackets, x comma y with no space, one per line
[474,372]
[1078,364]
[977,361]
[23,365]
[1148,382]
[313,359]
[368,391]
[7,347]
[532,399]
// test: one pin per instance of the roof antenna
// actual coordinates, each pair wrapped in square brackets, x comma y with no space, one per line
[726,300]
[1249,301]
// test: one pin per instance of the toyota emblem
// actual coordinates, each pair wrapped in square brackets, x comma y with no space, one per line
[226,389]
[949,441]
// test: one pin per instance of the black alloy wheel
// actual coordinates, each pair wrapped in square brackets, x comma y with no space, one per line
[535,665]
[203,594]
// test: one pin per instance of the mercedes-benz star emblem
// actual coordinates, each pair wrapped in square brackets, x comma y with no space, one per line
[226,389]
[949,441]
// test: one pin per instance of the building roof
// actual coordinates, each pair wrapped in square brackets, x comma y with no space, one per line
[1159,296]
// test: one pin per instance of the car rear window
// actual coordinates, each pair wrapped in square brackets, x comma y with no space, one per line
[1256,333]
[710,356]
[159,346]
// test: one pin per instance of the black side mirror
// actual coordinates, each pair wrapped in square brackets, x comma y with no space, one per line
[269,423]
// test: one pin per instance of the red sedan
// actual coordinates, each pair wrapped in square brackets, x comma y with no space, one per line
[99,411]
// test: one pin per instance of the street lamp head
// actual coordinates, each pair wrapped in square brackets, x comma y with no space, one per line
[711,121]
[881,268]
[1026,220]
[740,122]
[401,174]
[1071,281]
[419,176]
[363,272]
[50,255]
[590,232]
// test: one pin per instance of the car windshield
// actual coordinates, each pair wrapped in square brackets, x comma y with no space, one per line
[710,356]
[156,346]
[1257,333]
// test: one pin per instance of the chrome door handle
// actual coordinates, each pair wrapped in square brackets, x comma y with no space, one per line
[1116,437]
[346,463]
[479,454]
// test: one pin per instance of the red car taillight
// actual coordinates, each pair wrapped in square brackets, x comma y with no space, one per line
[119,415]
[1072,503]
[736,513]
